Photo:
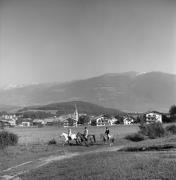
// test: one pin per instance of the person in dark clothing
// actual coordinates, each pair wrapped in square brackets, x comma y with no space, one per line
[107,133]
[85,133]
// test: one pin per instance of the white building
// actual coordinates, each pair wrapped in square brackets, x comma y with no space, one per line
[10,119]
[128,121]
[104,121]
[39,121]
[153,116]
[25,124]
[100,121]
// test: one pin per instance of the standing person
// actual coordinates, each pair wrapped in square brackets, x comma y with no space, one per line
[85,133]
[69,134]
[107,133]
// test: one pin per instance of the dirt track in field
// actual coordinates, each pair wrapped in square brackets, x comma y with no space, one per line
[12,173]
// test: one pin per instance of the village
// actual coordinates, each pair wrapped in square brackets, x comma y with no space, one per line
[77,119]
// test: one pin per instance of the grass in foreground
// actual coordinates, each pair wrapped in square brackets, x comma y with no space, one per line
[104,166]
[15,155]
[115,165]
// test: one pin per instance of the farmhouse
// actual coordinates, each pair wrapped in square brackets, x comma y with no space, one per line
[153,116]
[101,120]
[128,120]
[9,119]
[38,122]
[25,124]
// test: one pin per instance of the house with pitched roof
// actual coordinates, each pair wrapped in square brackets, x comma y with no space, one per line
[153,116]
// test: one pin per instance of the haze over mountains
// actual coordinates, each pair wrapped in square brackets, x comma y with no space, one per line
[130,91]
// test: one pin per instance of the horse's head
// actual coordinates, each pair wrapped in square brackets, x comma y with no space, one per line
[78,134]
[63,135]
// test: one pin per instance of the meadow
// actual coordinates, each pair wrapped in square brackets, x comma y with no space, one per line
[33,142]
[109,166]
[120,165]
[117,165]
[43,135]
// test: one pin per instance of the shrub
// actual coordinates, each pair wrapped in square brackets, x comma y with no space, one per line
[135,137]
[52,141]
[171,129]
[93,123]
[7,139]
[13,139]
[152,130]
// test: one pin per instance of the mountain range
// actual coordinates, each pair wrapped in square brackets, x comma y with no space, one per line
[129,91]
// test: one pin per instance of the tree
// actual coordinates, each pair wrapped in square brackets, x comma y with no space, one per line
[70,121]
[93,122]
[37,114]
[172,112]
[83,120]
[119,119]
[166,119]
[143,119]
[1,125]
[3,113]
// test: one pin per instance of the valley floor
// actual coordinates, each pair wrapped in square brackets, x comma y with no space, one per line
[41,161]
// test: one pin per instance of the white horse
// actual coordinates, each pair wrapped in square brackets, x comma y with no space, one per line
[67,139]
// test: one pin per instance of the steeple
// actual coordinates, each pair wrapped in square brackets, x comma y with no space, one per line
[76,116]
[76,113]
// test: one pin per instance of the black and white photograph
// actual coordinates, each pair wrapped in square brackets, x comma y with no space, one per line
[87,89]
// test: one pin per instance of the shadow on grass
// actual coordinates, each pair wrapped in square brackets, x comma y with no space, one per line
[97,143]
[150,148]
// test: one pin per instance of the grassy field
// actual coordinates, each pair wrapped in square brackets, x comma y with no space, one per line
[119,165]
[103,165]
[33,143]
[109,166]
[43,135]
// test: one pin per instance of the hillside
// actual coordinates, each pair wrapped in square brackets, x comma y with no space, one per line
[69,107]
[9,108]
[129,91]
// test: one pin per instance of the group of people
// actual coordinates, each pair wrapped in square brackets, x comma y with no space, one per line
[86,132]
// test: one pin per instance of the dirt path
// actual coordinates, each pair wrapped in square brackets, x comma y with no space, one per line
[12,173]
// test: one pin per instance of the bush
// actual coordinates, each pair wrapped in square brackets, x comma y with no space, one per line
[7,139]
[93,123]
[52,141]
[153,130]
[135,137]
[171,129]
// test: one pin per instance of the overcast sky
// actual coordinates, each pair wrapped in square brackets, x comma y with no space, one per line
[61,40]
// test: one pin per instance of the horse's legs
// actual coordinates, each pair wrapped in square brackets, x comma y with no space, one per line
[86,141]
[91,141]
[63,145]
[104,139]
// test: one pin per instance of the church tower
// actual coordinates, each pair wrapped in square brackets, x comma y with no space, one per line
[76,115]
